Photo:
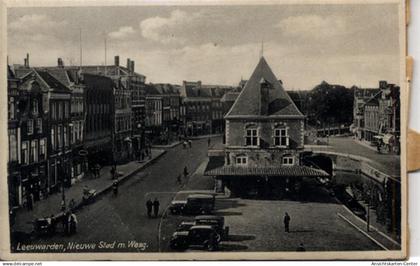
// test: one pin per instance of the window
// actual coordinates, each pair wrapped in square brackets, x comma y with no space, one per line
[288,160]
[241,160]
[251,137]
[39,125]
[34,151]
[66,109]
[12,145]
[25,153]
[53,138]
[66,140]
[53,111]
[42,149]
[59,137]
[35,106]
[281,137]
[12,108]
[60,110]
[30,126]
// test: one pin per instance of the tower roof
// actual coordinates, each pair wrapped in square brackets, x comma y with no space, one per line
[249,100]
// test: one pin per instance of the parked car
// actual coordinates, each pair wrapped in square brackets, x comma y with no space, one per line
[203,236]
[194,204]
[218,222]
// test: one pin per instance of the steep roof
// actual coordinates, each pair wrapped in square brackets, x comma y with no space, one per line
[230,96]
[52,82]
[249,100]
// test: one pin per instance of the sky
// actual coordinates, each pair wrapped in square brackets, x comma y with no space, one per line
[303,44]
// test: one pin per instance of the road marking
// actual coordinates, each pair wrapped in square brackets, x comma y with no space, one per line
[374,228]
[363,232]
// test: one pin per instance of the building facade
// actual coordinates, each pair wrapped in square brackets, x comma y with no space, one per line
[98,129]
[264,140]
[14,132]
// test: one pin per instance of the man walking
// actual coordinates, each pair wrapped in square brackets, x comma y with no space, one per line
[208,142]
[149,205]
[156,207]
[286,221]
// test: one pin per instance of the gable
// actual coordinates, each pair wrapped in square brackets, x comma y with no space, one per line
[249,100]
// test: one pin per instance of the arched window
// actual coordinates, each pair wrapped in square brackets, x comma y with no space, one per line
[252,135]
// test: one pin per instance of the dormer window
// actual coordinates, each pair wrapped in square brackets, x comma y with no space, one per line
[281,136]
[251,136]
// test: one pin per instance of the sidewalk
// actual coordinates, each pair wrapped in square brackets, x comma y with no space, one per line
[51,205]
[381,239]
[170,145]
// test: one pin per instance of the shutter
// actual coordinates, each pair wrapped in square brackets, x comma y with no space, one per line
[287,136]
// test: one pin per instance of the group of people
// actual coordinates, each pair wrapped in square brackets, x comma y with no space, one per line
[152,205]
[69,223]
[95,170]
[187,142]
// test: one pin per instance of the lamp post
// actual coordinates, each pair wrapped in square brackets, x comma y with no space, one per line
[139,139]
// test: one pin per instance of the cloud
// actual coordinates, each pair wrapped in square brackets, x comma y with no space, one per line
[40,23]
[164,30]
[312,26]
[122,33]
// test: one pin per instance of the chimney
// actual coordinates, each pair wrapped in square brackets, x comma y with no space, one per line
[264,86]
[128,64]
[116,60]
[382,84]
[132,66]
[27,60]
[60,62]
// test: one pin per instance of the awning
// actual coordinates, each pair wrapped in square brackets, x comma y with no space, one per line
[288,171]
[128,139]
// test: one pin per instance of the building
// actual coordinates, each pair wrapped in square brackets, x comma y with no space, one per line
[99,120]
[171,102]
[203,107]
[73,80]
[361,96]
[377,116]
[264,141]
[13,126]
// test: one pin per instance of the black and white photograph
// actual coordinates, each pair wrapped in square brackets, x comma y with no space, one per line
[205,130]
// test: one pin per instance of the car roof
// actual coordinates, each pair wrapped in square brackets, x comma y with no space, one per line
[203,196]
[208,217]
[202,227]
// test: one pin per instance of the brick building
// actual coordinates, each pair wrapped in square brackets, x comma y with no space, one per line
[264,140]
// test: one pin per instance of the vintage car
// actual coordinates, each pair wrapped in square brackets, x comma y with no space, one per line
[202,236]
[217,222]
[194,204]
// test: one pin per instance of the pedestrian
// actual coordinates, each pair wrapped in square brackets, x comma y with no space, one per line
[185,171]
[65,223]
[115,187]
[178,179]
[63,206]
[72,204]
[149,205]
[97,170]
[286,221]
[72,223]
[208,142]
[156,207]
[301,247]
[184,144]
[112,171]
[190,143]
[29,202]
